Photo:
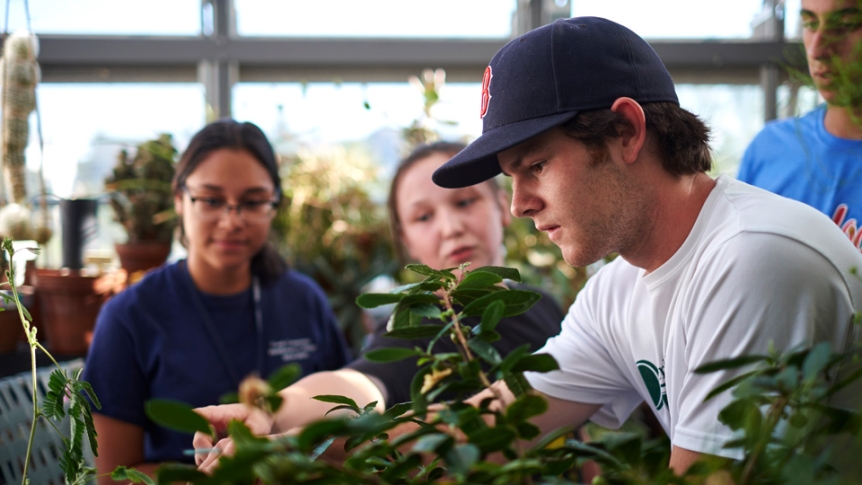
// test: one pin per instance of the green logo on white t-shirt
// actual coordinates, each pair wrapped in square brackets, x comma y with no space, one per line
[654,379]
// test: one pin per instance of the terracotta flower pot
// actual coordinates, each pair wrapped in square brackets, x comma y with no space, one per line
[10,331]
[69,307]
[142,256]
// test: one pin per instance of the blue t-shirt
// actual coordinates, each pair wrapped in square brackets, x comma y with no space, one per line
[151,342]
[797,158]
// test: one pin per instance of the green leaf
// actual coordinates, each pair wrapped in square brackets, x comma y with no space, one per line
[525,407]
[489,336]
[550,438]
[427,271]
[392,354]
[728,384]
[397,410]
[91,430]
[535,363]
[480,280]
[517,384]
[493,439]
[461,458]
[443,332]
[314,433]
[739,414]
[122,473]
[396,474]
[426,310]
[86,388]
[514,356]
[528,431]
[400,318]
[468,295]
[284,376]
[53,402]
[420,332]
[503,272]
[491,316]
[176,416]
[420,401]
[374,300]
[434,443]
[816,360]
[733,363]
[516,301]
[175,472]
[484,350]
[350,403]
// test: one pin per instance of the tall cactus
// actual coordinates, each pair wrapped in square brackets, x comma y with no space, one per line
[20,73]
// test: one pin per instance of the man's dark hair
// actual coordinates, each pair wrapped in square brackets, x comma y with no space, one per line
[681,138]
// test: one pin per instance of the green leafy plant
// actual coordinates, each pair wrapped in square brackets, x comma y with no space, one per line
[440,296]
[141,188]
[67,395]
[781,410]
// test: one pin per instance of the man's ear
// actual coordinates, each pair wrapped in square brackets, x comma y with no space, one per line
[633,136]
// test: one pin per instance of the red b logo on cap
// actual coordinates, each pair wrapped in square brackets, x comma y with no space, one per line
[486,91]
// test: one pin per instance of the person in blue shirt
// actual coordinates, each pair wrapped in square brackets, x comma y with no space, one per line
[817,158]
[190,331]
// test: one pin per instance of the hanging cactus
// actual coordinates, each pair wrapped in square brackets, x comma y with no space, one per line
[20,73]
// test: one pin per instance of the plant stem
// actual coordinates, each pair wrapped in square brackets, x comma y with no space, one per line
[35,416]
[463,341]
[774,416]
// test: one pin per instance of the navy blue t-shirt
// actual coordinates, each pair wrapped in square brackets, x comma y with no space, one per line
[151,342]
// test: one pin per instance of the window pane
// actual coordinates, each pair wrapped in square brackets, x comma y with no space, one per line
[86,125]
[734,114]
[792,23]
[375,18]
[663,19]
[375,114]
[153,17]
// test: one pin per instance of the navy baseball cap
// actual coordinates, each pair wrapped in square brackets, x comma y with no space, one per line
[546,77]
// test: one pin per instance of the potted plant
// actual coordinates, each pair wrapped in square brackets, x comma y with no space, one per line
[143,203]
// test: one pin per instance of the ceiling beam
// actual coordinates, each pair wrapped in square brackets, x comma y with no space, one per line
[119,58]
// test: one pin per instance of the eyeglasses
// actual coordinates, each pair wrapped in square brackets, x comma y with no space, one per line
[253,211]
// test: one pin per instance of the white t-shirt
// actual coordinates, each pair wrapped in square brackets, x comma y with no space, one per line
[756,268]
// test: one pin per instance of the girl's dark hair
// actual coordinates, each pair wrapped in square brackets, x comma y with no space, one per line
[267,264]
[419,153]
[682,139]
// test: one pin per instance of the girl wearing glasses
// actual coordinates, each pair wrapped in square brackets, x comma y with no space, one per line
[438,227]
[190,331]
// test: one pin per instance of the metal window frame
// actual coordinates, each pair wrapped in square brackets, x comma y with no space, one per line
[221,59]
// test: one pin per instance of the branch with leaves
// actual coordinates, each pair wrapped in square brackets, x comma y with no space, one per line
[67,395]
[781,410]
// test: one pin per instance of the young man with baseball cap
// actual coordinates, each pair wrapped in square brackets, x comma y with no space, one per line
[817,158]
[584,118]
